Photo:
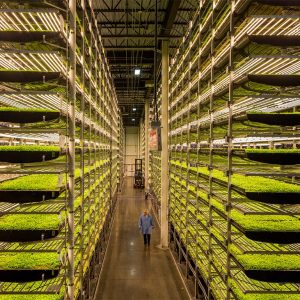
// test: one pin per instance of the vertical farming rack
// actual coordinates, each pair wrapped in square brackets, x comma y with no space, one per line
[155,159]
[142,142]
[234,157]
[60,150]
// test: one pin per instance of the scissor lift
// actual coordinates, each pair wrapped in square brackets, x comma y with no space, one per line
[139,181]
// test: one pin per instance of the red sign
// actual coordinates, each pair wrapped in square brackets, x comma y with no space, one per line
[154,139]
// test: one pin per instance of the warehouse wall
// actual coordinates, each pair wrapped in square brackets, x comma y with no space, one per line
[131,148]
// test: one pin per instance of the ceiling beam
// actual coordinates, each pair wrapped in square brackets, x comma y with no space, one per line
[170,16]
[171,12]
[135,24]
[136,102]
[114,66]
[137,36]
[134,10]
[127,48]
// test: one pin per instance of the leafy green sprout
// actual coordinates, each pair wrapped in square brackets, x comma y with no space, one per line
[266,261]
[251,222]
[30,222]
[35,182]
[250,183]
[30,148]
[273,151]
[273,113]
[29,261]
[22,110]
[265,296]
[32,296]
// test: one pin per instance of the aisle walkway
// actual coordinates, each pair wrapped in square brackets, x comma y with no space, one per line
[131,272]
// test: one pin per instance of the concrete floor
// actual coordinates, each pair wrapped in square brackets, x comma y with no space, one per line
[130,271]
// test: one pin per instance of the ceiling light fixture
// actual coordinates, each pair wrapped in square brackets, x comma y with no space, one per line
[137,72]
[134,109]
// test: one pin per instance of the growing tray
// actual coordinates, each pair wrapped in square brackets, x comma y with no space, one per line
[28,156]
[283,158]
[27,275]
[24,116]
[280,2]
[274,198]
[279,276]
[277,40]
[279,237]
[27,36]
[281,119]
[27,196]
[277,80]
[27,235]
[27,76]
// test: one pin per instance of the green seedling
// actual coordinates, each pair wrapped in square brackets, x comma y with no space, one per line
[15,109]
[30,148]
[271,262]
[29,261]
[30,222]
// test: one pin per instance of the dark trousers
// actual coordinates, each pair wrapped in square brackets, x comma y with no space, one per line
[147,239]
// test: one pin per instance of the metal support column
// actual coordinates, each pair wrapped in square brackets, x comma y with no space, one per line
[82,146]
[165,145]
[139,140]
[146,145]
[230,147]
[71,150]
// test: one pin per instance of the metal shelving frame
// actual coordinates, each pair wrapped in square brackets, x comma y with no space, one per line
[90,130]
[155,161]
[211,90]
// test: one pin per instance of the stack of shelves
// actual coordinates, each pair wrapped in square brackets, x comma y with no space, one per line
[155,159]
[142,143]
[121,151]
[59,138]
[115,172]
[234,120]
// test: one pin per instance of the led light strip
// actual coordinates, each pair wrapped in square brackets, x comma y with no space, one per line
[31,61]
[19,100]
[48,101]
[248,140]
[47,137]
[258,65]
[18,20]
[268,26]
[258,25]
[263,104]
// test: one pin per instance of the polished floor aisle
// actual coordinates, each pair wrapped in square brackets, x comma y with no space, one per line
[130,271]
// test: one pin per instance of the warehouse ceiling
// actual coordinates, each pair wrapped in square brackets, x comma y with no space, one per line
[128,29]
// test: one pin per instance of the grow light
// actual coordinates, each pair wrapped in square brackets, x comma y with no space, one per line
[255,103]
[269,65]
[266,25]
[33,100]
[257,65]
[45,100]
[247,140]
[32,61]
[26,20]
[46,137]
[226,49]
